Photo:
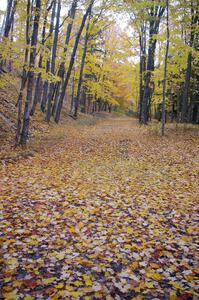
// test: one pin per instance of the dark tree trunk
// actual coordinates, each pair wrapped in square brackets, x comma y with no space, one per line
[88,104]
[46,83]
[11,7]
[193,37]
[30,75]
[65,82]
[165,72]
[77,99]
[83,100]
[38,86]
[142,42]
[53,58]
[11,40]
[186,90]
[61,71]
[73,92]
[156,13]
[24,77]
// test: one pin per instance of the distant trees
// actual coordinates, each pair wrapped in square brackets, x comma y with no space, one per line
[148,19]
[8,25]
[192,42]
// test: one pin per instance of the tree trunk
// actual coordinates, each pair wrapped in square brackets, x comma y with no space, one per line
[38,87]
[23,78]
[30,75]
[156,13]
[46,83]
[53,58]
[165,72]
[61,71]
[142,40]
[65,82]
[186,90]
[11,7]
[82,67]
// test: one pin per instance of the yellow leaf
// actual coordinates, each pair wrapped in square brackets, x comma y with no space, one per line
[98,295]
[186,238]
[129,230]
[7,279]
[87,280]
[69,288]
[87,290]
[153,275]
[17,283]
[61,293]
[72,229]
[154,266]
[76,295]
[77,283]
[190,229]
[80,225]
[127,246]
[175,284]
[172,296]
[149,285]
[60,255]
[157,276]
[12,261]
[10,296]
[28,297]
[49,280]
[60,285]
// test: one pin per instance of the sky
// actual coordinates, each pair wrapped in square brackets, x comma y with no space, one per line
[121,22]
[3,4]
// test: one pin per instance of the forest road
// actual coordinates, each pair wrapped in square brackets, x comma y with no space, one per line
[108,212]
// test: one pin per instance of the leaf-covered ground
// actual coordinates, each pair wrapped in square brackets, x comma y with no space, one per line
[107,212]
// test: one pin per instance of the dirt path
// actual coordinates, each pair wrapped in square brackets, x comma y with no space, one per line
[107,212]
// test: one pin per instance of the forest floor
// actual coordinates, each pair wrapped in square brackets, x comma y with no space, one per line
[107,211]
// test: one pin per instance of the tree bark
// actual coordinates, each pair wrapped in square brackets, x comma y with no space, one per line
[165,72]
[65,82]
[53,58]
[46,83]
[38,86]
[9,16]
[61,71]
[23,78]
[156,13]
[30,75]
[142,42]
[77,99]
[186,90]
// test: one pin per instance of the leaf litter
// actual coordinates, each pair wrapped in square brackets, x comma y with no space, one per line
[109,213]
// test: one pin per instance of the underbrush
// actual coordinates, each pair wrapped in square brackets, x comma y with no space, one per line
[154,128]
[87,120]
